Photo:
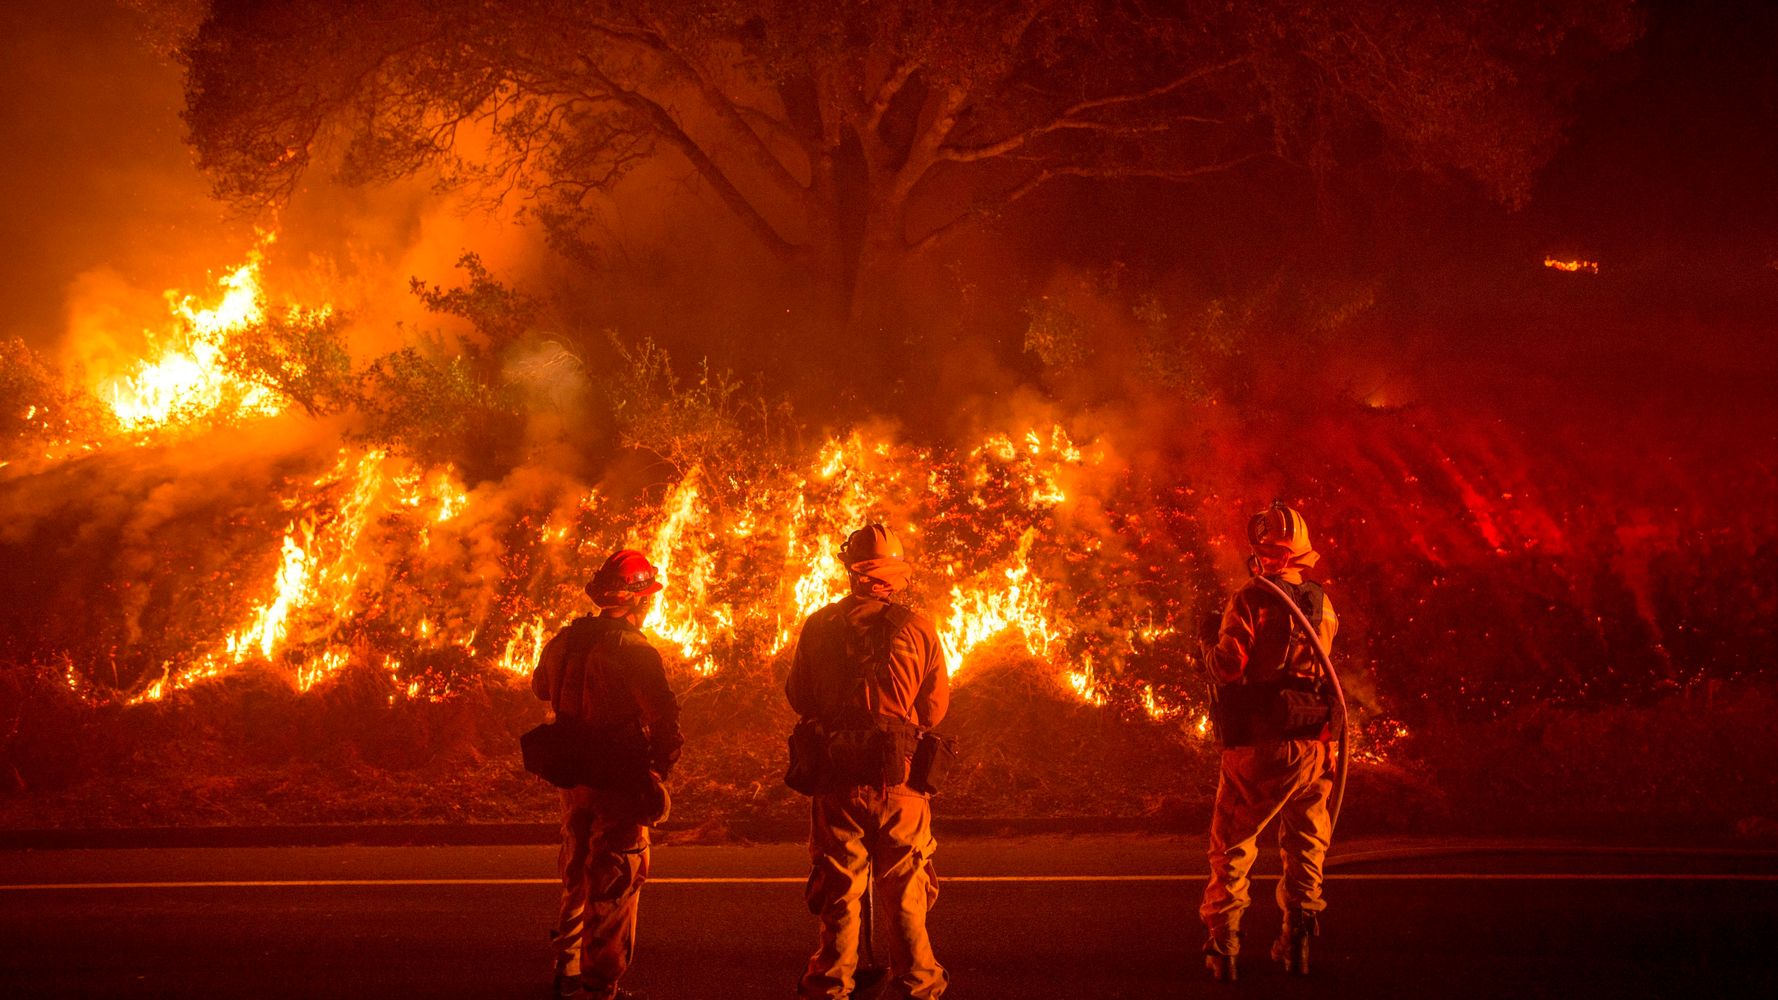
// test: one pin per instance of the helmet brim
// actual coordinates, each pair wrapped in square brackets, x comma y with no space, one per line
[868,566]
[623,595]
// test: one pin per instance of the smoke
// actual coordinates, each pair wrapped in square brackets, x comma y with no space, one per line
[97,175]
[118,555]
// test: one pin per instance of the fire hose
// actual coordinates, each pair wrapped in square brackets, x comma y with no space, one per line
[1333,680]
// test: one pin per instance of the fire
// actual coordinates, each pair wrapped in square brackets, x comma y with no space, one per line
[1084,684]
[349,527]
[371,541]
[523,649]
[312,589]
[186,379]
[1009,599]
[682,538]
[1572,266]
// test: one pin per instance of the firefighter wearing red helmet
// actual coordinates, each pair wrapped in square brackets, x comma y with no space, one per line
[868,679]
[1272,713]
[600,669]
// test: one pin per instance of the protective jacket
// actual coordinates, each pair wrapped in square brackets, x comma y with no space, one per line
[609,675]
[862,663]
[1259,640]
[909,683]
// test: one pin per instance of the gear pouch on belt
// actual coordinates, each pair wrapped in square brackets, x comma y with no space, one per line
[808,758]
[1247,714]
[933,757]
[867,757]
[570,752]
[1300,715]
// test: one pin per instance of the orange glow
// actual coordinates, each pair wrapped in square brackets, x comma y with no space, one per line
[182,379]
[367,541]
[1572,266]
[348,527]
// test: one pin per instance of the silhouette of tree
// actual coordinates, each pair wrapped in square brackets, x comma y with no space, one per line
[848,136]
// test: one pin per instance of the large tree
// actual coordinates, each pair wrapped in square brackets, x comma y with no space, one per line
[847,136]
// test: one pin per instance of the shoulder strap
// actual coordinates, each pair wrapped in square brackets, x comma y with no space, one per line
[580,641]
[1313,600]
[896,617]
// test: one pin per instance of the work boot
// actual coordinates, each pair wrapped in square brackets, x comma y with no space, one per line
[1292,946]
[1219,956]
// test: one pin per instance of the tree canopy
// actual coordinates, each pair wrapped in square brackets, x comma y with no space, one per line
[847,136]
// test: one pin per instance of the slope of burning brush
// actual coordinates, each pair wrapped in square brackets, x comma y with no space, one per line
[398,567]
[186,525]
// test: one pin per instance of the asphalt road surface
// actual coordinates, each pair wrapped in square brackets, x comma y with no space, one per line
[1071,918]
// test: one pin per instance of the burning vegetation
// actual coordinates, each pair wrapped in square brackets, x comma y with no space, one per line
[334,546]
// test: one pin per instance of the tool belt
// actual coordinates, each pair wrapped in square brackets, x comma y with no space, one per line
[1269,712]
[570,753]
[823,760]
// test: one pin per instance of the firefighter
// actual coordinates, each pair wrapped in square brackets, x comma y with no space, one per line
[1273,714]
[871,676]
[601,669]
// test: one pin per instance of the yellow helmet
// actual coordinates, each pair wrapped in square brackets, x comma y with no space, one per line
[1279,529]
[870,547]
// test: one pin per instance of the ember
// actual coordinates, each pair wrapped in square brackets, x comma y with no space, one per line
[1572,266]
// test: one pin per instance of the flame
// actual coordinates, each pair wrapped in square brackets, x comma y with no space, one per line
[523,649]
[388,562]
[342,568]
[1084,683]
[186,379]
[313,588]
[683,538]
[1008,599]
[1572,266]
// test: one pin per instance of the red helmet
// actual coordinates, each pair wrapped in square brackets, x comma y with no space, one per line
[625,576]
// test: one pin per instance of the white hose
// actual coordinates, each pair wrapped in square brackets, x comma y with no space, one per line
[1333,678]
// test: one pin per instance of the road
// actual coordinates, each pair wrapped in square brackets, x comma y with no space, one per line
[1057,917]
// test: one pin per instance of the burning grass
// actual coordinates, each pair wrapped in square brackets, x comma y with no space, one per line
[218,612]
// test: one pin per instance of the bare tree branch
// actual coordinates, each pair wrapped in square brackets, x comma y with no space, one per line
[1043,176]
[722,107]
[885,95]
[738,203]
[1070,118]
[972,154]
[935,127]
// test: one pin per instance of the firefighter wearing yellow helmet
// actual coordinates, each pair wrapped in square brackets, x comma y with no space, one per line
[868,680]
[1272,712]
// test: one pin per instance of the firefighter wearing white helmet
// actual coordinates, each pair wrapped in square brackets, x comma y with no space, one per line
[1272,713]
[868,680]
[601,670]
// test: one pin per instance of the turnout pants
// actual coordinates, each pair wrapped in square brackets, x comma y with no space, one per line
[1292,781]
[854,834]
[603,863]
